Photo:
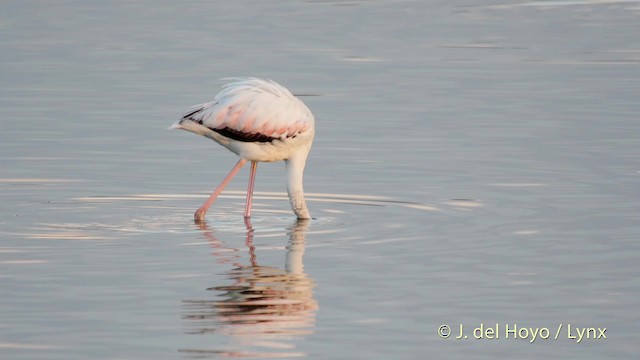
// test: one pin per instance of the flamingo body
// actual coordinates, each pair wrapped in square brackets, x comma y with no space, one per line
[260,121]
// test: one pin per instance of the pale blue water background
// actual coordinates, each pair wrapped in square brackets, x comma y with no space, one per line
[475,162]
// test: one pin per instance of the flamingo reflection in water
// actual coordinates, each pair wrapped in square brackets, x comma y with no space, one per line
[263,309]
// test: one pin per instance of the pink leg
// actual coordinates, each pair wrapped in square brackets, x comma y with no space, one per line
[199,215]
[252,181]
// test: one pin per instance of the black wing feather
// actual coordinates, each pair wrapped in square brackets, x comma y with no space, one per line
[243,136]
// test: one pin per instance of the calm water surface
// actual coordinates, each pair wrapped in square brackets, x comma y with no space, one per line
[476,162]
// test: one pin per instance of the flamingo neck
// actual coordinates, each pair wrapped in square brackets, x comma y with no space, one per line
[295,169]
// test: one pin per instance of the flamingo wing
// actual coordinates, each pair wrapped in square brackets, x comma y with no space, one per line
[253,110]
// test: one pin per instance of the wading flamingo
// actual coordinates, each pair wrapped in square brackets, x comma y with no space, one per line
[258,120]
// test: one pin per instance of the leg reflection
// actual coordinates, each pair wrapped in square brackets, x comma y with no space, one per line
[261,309]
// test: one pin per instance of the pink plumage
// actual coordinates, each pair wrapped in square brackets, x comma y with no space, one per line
[259,120]
[254,107]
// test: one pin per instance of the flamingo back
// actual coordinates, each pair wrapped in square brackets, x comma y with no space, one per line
[254,110]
